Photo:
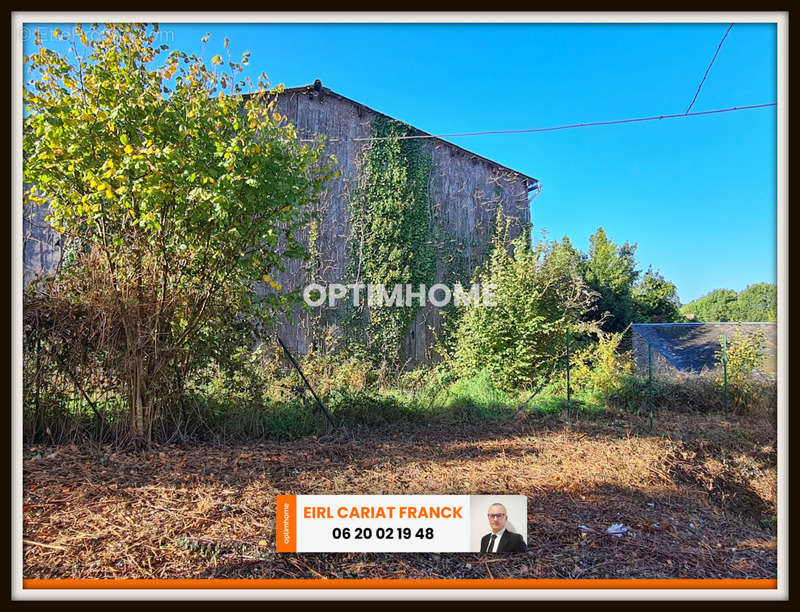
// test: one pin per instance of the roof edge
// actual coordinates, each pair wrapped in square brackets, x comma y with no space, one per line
[327,91]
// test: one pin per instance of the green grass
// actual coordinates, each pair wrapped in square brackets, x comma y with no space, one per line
[581,402]
[220,408]
[466,400]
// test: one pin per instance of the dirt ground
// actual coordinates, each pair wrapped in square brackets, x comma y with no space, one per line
[698,494]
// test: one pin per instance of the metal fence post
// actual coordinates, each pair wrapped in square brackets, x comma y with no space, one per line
[569,416]
[725,373]
[650,380]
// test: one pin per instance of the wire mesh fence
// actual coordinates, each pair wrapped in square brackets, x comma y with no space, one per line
[67,405]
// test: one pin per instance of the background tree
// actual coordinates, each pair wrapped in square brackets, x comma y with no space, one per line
[716,305]
[180,193]
[757,302]
[610,270]
[655,300]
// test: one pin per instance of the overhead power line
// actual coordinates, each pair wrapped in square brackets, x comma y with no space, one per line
[568,126]
[713,59]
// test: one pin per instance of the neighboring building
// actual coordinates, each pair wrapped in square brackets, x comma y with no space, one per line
[41,243]
[691,347]
[465,192]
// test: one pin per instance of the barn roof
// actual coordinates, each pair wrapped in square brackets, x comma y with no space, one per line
[328,92]
[690,347]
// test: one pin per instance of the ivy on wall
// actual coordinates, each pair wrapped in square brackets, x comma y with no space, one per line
[391,241]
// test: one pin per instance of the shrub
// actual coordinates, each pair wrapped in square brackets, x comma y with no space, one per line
[539,292]
[749,389]
[598,368]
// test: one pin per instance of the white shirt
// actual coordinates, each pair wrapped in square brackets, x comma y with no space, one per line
[493,546]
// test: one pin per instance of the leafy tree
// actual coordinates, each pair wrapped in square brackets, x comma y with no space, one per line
[655,299]
[610,270]
[181,192]
[717,305]
[757,303]
[539,292]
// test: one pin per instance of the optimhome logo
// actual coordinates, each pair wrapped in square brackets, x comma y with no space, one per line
[401,296]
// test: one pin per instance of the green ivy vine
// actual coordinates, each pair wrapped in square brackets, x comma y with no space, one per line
[391,241]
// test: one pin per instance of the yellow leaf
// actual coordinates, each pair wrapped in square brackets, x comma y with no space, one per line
[216,60]
[263,543]
[128,149]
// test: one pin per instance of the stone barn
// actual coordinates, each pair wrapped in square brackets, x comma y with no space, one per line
[464,194]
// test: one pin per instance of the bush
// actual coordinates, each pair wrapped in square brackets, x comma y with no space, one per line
[539,293]
[598,368]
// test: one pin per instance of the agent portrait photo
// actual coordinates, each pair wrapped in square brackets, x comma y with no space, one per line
[501,539]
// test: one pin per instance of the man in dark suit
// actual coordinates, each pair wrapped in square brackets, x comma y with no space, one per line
[501,539]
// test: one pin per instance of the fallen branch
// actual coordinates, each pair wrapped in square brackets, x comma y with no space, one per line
[54,546]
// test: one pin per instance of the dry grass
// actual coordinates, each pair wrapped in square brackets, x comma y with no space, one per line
[698,493]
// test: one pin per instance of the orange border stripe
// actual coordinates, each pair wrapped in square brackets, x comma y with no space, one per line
[302,583]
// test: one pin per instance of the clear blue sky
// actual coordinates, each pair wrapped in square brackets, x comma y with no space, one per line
[697,194]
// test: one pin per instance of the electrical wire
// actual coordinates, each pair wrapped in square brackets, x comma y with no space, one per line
[565,127]
[713,59]
[581,125]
